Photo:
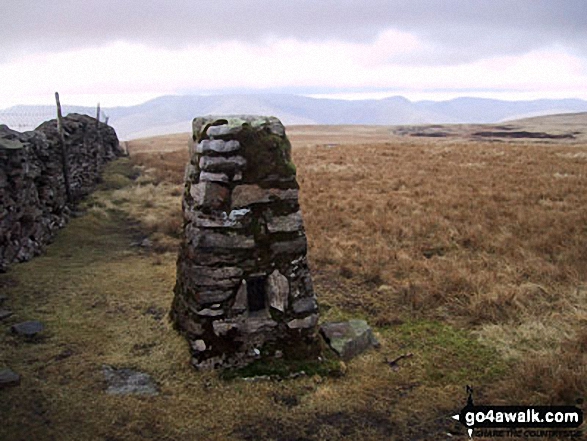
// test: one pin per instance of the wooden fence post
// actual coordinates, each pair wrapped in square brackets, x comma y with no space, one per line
[64,161]
[98,127]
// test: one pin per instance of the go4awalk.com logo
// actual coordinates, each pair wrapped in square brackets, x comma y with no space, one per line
[520,421]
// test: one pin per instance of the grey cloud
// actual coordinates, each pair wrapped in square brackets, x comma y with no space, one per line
[459,30]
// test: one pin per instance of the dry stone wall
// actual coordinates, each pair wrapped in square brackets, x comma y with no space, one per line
[243,287]
[33,203]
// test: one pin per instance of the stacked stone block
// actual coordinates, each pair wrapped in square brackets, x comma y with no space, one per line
[243,287]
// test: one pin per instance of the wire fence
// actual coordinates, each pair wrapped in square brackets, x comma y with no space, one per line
[24,118]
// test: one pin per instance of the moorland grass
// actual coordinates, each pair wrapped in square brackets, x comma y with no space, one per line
[470,256]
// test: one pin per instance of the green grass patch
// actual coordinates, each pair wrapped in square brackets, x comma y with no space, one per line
[445,355]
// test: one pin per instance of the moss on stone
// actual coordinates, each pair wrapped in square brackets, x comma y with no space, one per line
[266,154]
[268,151]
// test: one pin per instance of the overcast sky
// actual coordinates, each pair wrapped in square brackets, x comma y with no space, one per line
[125,52]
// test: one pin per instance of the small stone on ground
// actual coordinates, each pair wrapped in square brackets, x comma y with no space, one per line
[128,382]
[27,329]
[4,314]
[349,339]
[8,378]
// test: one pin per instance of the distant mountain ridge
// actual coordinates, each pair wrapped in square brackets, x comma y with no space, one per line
[560,119]
[173,114]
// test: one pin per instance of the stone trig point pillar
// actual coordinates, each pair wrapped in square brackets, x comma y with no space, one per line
[243,287]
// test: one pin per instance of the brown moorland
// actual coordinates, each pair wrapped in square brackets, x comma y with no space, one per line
[470,254]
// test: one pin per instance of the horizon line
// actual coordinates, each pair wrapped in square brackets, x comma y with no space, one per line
[344,96]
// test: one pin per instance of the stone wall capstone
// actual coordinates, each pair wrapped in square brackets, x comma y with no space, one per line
[33,201]
[243,288]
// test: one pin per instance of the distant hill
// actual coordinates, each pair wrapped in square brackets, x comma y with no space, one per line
[575,123]
[560,119]
[173,114]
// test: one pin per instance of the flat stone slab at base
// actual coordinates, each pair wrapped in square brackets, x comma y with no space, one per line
[4,314]
[128,382]
[349,339]
[27,329]
[8,378]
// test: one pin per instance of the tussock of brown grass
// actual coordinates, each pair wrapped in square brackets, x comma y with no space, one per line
[556,376]
[467,240]
[163,167]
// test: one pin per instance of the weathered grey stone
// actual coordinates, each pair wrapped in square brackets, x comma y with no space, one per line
[258,323]
[191,172]
[221,131]
[222,126]
[11,144]
[218,146]
[219,240]
[198,125]
[277,290]
[276,127]
[5,313]
[304,305]
[213,177]
[198,345]
[236,215]
[241,302]
[207,279]
[8,378]
[235,219]
[224,272]
[213,296]
[209,194]
[27,329]
[221,164]
[349,339]
[233,124]
[215,222]
[128,382]
[298,245]
[306,322]
[249,194]
[219,256]
[222,327]
[208,312]
[285,224]
[207,283]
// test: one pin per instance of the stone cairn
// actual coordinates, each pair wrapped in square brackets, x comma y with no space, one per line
[243,287]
